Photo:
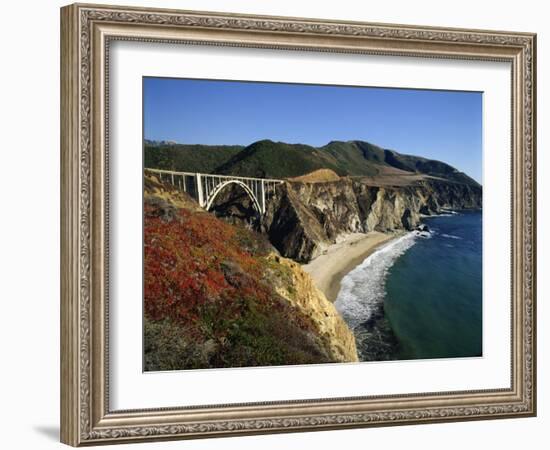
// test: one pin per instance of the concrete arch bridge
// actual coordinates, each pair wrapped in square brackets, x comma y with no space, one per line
[204,188]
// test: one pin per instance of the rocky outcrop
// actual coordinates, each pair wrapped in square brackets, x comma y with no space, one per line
[218,295]
[303,218]
[291,225]
[297,287]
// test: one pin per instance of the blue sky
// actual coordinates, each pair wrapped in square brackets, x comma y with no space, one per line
[443,125]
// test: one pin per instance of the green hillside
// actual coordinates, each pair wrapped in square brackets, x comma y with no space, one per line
[187,158]
[426,166]
[268,159]
[279,160]
[356,157]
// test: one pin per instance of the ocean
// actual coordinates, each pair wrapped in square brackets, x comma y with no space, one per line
[419,297]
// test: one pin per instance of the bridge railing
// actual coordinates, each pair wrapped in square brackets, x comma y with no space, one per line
[228,177]
[184,181]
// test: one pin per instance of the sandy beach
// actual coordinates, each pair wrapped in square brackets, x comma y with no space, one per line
[328,269]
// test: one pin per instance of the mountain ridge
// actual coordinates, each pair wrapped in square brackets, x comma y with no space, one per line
[267,158]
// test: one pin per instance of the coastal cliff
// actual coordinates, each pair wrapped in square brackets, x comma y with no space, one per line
[219,295]
[340,188]
[300,291]
[224,284]
[303,218]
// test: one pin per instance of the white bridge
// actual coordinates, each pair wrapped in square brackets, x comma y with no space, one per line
[205,187]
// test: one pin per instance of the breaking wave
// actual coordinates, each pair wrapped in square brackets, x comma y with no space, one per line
[363,289]
[448,212]
[450,236]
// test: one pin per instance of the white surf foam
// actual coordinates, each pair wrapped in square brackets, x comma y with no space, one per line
[363,288]
[451,236]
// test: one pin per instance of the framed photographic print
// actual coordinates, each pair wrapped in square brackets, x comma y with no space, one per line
[276,224]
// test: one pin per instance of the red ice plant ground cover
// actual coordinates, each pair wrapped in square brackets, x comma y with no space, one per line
[184,258]
[207,300]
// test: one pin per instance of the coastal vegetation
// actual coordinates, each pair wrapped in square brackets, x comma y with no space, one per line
[218,295]
[268,159]
[226,288]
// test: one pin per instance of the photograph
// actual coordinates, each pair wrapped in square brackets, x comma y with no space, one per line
[294,224]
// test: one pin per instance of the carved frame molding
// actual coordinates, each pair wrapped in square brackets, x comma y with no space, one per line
[86,31]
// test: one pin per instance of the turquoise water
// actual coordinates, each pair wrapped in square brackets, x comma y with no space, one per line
[420,297]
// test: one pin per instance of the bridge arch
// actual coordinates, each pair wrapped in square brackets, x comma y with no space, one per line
[204,188]
[221,186]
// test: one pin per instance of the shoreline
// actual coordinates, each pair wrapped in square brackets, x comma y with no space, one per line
[329,268]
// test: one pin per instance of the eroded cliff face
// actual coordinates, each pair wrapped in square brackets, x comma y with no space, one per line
[297,287]
[219,295]
[303,218]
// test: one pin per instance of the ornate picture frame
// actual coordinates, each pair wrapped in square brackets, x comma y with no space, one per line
[87,31]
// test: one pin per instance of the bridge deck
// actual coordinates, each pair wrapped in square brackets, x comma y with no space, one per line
[228,177]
